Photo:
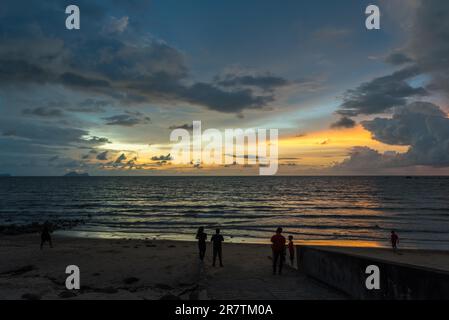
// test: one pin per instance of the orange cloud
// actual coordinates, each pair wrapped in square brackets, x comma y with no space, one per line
[326,147]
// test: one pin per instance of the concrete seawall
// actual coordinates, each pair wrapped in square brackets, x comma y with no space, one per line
[346,272]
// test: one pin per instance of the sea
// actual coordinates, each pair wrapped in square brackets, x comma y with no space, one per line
[338,210]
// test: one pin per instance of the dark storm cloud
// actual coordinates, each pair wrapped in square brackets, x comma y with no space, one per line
[90,106]
[44,134]
[94,102]
[215,98]
[86,109]
[410,124]
[266,82]
[131,163]
[103,156]
[365,159]
[120,159]
[74,80]
[20,70]
[381,94]
[122,120]
[129,119]
[344,122]
[49,135]
[9,133]
[91,154]
[124,65]
[33,148]
[429,45]
[97,140]
[30,57]
[184,126]
[427,54]
[398,58]
[168,157]
[24,148]
[43,112]
[422,126]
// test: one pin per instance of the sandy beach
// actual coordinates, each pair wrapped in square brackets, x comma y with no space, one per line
[159,269]
[146,269]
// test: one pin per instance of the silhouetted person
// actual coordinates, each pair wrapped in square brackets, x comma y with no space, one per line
[45,235]
[217,239]
[291,249]
[202,237]
[394,240]
[278,246]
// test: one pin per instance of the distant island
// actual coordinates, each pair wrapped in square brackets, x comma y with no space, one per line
[76,174]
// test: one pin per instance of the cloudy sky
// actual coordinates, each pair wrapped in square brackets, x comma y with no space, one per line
[104,99]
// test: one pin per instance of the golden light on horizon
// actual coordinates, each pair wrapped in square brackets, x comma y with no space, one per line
[323,148]
[316,149]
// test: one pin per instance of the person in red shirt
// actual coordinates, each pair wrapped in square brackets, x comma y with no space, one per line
[394,240]
[278,246]
[291,249]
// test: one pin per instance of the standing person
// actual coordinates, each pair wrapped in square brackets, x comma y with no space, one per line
[278,246]
[217,239]
[45,235]
[291,249]
[201,236]
[394,240]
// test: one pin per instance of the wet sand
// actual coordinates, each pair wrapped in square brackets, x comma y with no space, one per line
[146,269]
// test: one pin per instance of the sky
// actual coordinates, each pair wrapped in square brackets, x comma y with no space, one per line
[104,99]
